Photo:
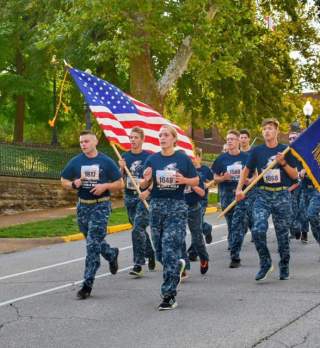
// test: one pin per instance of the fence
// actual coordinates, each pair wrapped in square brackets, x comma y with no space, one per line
[36,161]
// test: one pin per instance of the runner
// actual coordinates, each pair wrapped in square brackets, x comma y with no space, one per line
[137,212]
[168,172]
[206,176]
[193,197]
[272,198]
[227,168]
[93,175]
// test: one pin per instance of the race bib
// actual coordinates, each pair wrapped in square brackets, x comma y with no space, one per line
[90,176]
[129,183]
[234,170]
[166,179]
[273,176]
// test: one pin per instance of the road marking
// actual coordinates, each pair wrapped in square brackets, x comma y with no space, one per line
[68,262]
[39,293]
[50,266]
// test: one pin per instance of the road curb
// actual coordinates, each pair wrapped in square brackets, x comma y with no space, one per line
[117,228]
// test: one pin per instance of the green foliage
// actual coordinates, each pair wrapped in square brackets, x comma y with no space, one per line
[240,72]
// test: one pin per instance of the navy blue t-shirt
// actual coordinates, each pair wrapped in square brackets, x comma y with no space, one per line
[164,169]
[190,196]
[233,164]
[98,170]
[205,174]
[261,156]
[135,163]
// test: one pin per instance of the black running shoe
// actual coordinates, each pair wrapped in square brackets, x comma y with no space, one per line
[84,292]
[235,264]
[204,266]
[264,272]
[113,265]
[151,263]
[284,273]
[168,302]
[136,271]
[208,238]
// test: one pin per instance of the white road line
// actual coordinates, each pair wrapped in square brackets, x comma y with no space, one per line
[39,293]
[51,266]
[17,299]
[68,262]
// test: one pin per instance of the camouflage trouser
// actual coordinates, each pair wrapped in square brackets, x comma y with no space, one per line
[311,198]
[278,205]
[295,227]
[139,218]
[197,241]
[226,197]
[304,222]
[92,221]
[206,227]
[241,219]
[168,219]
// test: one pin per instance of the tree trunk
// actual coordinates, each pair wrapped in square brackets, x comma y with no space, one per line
[143,85]
[20,104]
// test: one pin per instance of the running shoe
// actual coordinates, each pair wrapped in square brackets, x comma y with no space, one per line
[284,273]
[182,266]
[264,272]
[235,263]
[208,238]
[304,237]
[204,266]
[113,265]
[168,302]
[136,271]
[84,292]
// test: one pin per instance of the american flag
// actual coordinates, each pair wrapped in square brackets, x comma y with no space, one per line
[117,113]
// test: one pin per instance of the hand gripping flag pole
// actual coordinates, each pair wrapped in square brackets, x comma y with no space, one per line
[253,183]
[136,186]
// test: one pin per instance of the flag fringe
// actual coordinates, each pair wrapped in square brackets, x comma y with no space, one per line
[307,168]
[53,121]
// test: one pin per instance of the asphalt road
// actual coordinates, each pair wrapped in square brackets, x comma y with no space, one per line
[225,308]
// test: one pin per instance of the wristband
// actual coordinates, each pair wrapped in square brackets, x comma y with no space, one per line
[74,185]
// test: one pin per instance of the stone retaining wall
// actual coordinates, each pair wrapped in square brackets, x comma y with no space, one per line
[23,194]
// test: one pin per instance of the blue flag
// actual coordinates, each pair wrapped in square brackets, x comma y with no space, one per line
[307,150]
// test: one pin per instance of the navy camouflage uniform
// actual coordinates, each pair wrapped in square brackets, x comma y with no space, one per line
[93,221]
[242,219]
[278,205]
[272,199]
[311,204]
[137,213]
[93,211]
[168,219]
[139,218]
[233,165]
[168,214]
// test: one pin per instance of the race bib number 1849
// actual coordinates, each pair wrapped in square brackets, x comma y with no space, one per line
[166,179]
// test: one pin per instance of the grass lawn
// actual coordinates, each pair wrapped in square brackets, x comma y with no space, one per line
[56,227]
[67,225]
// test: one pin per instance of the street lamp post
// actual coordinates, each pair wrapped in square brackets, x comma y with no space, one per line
[54,62]
[308,110]
[87,112]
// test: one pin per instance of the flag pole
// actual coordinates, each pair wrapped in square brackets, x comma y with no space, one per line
[254,182]
[130,175]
